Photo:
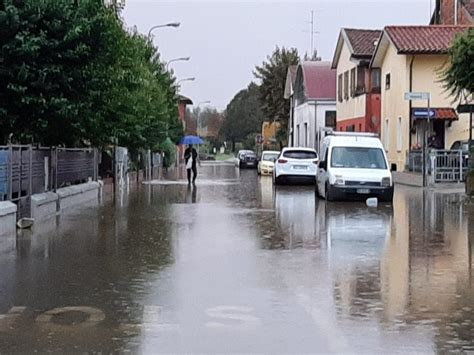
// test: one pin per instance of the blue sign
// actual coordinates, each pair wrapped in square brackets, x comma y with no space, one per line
[422,113]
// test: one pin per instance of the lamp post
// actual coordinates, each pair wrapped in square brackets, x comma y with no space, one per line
[171,24]
[185,79]
[183,59]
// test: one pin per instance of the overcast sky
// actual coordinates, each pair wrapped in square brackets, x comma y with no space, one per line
[226,39]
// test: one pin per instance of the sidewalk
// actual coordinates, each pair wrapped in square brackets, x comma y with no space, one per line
[416,180]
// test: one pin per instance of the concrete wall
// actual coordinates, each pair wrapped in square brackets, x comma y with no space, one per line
[44,206]
[74,196]
[7,218]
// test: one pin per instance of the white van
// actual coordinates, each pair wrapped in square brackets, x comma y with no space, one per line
[354,166]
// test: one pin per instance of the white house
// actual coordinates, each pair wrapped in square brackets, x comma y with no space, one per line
[313,103]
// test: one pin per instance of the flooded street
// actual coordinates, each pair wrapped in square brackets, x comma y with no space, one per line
[235,265]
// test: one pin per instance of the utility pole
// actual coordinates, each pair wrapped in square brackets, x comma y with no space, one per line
[312,32]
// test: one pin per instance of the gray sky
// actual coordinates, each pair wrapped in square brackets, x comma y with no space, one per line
[226,39]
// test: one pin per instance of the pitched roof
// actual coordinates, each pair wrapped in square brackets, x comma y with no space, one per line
[423,39]
[319,80]
[361,43]
[416,40]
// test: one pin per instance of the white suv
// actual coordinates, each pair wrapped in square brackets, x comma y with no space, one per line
[296,164]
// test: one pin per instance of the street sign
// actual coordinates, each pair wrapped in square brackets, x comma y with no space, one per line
[423,113]
[417,96]
[465,108]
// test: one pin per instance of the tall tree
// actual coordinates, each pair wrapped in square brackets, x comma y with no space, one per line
[459,76]
[272,74]
[243,115]
[71,74]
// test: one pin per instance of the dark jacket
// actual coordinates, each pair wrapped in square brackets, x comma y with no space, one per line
[187,155]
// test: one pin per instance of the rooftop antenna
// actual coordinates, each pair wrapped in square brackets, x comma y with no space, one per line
[312,32]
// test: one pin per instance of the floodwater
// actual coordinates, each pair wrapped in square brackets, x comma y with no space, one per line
[234,265]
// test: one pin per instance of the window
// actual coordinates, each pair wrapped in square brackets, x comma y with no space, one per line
[387,81]
[386,135]
[353,82]
[360,88]
[375,80]
[330,120]
[357,158]
[399,135]
[297,135]
[350,128]
[346,85]
[360,127]
[339,87]
[300,154]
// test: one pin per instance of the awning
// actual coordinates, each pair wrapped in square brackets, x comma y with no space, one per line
[436,113]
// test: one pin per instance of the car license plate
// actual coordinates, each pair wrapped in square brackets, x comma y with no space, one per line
[249,163]
[299,167]
[363,191]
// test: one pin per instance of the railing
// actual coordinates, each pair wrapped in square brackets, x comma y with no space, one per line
[449,165]
[26,170]
[415,161]
[441,165]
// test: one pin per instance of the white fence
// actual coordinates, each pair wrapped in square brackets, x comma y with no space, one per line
[448,165]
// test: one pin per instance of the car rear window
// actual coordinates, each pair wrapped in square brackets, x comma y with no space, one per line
[300,154]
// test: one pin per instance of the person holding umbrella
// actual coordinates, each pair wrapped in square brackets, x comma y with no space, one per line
[190,158]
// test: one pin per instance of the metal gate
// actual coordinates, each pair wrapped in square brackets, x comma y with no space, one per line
[16,166]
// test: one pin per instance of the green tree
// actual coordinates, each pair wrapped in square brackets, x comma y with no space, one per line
[243,116]
[71,74]
[272,74]
[459,76]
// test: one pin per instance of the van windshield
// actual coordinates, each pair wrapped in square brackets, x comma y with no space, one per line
[358,158]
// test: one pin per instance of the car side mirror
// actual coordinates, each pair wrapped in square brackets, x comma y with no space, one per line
[323,165]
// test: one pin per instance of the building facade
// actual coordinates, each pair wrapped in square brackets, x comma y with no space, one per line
[358,86]
[313,103]
[411,59]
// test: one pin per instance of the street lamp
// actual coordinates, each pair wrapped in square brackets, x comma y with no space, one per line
[171,24]
[183,59]
[185,79]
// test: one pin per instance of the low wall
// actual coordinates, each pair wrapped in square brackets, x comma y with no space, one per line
[74,196]
[7,218]
[44,206]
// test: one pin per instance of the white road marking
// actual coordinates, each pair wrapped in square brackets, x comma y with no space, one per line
[232,313]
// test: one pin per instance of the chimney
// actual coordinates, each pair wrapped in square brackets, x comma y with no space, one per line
[448,11]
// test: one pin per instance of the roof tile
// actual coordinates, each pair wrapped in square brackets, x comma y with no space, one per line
[319,80]
[423,39]
[363,42]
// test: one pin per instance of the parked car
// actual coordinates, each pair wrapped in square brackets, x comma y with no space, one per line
[267,162]
[248,159]
[464,147]
[296,164]
[354,165]
[239,155]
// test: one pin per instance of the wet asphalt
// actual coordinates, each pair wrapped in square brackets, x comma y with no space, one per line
[235,265]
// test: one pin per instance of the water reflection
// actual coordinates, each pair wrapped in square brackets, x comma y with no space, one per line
[103,256]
